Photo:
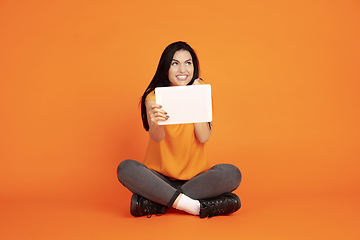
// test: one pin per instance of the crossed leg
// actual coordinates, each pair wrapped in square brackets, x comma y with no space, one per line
[156,187]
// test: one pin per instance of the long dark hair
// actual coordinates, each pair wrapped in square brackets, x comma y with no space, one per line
[161,79]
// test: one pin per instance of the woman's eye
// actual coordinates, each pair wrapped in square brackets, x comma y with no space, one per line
[174,63]
[188,63]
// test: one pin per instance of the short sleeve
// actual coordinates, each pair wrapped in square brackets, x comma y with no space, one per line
[151,96]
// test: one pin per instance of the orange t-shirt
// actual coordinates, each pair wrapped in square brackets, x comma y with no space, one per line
[179,155]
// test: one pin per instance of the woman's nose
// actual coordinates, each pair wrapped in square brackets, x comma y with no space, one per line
[182,68]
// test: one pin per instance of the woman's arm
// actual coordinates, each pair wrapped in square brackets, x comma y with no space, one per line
[154,115]
[203,131]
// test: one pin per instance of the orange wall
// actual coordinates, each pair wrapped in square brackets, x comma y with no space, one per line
[285,79]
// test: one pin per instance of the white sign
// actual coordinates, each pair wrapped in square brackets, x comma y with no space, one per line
[185,104]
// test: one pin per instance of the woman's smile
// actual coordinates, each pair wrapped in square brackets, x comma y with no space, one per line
[181,77]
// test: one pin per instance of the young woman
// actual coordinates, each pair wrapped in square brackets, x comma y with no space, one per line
[176,172]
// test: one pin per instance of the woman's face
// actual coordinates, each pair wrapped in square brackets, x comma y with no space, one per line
[181,69]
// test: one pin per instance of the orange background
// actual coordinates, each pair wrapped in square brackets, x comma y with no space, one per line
[285,81]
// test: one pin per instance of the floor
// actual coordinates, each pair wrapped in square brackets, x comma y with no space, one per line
[321,217]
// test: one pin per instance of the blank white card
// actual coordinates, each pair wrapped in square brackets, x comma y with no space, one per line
[185,104]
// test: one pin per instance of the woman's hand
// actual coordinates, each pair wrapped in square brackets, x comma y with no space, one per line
[157,114]
[197,81]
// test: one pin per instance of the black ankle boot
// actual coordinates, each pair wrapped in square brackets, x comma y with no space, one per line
[222,205]
[141,206]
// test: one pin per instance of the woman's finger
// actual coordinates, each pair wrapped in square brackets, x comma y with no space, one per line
[160,114]
[156,119]
[156,106]
[157,115]
[197,81]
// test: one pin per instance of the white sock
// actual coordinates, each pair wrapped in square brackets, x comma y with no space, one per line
[188,205]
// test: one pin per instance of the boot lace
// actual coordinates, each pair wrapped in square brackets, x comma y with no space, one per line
[151,208]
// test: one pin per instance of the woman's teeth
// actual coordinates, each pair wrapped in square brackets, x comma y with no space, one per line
[182,77]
